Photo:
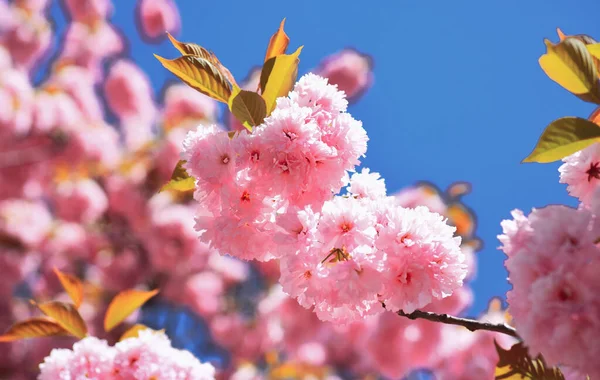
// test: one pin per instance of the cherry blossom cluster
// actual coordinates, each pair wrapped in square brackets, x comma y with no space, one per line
[553,263]
[83,154]
[268,194]
[553,259]
[148,356]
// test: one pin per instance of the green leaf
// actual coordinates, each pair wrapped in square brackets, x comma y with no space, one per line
[200,74]
[249,108]
[278,76]
[180,179]
[564,137]
[125,303]
[516,364]
[570,64]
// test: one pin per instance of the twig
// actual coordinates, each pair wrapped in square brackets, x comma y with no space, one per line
[470,324]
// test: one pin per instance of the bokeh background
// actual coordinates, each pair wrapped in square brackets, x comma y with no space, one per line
[457,95]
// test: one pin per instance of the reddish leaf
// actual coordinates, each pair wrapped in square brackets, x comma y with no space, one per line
[278,43]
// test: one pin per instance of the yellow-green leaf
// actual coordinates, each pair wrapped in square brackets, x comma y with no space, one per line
[188,48]
[125,303]
[594,50]
[72,286]
[199,74]
[66,315]
[564,137]
[249,108]
[516,364]
[33,328]
[180,181]
[278,43]
[133,331]
[569,64]
[278,76]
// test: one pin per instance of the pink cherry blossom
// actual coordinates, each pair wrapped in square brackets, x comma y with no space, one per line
[27,36]
[349,70]
[581,172]
[553,300]
[185,107]
[88,12]
[87,46]
[367,185]
[27,221]
[424,261]
[158,17]
[408,345]
[80,201]
[129,96]
[16,97]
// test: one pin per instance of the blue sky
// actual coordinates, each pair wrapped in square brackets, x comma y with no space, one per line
[458,91]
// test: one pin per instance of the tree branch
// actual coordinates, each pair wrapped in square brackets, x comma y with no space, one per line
[470,324]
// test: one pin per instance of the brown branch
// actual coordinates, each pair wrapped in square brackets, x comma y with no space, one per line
[470,324]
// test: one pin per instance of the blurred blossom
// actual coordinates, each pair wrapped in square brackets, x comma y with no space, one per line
[350,70]
[158,17]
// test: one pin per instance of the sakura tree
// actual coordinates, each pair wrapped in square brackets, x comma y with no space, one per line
[293,260]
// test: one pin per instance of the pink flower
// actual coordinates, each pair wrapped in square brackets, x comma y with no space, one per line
[185,107]
[92,143]
[554,301]
[210,155]
[129,93]
[414,196]
[56,365]
[367,185]
[409,345]
[581,172]
[350,70]
[90,358]
[32,5]
[81,201]
[71,240]
[89,12]
[86,46]
[55,110]
[346,223]
[467,355]
[424,261]
[172,240]
[78,83]
[517,233]
[16,103]
[158,17]
[27,36]
[313,91]
[27,221]
[151,355]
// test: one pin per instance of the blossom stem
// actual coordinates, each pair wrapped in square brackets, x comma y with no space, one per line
[471,324]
